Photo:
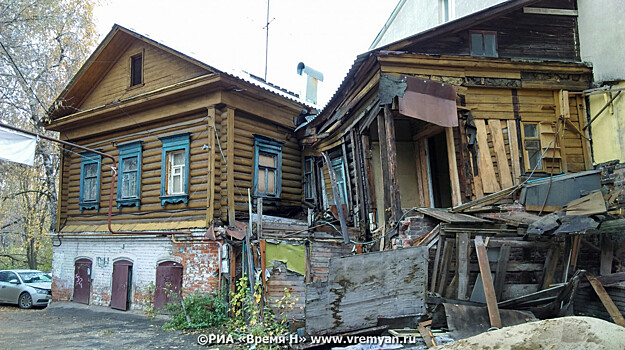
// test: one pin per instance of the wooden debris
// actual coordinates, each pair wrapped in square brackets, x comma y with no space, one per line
[487,281]
[614,312]
[426,333]
[587,205]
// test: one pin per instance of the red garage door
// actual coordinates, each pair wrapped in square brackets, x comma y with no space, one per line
[82,281]
[122,280]
[168,283]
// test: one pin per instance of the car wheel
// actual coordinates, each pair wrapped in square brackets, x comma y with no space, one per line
[25,301]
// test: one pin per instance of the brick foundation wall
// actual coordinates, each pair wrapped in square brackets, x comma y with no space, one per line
[199,264]
[613,178]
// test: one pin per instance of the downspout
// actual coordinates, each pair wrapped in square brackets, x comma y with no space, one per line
[113,178]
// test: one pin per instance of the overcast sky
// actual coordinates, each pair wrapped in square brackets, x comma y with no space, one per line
[324,34]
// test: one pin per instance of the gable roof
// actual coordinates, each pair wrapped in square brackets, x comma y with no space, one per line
[115,43]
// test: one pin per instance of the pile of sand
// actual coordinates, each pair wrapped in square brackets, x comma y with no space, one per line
[559,334]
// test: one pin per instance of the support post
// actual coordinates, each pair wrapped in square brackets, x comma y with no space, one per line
[393,185]
[502,267]
[456,194]
[607,254]
[259,217]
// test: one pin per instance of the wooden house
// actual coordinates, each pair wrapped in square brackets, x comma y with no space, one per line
[188,140]
[452,114]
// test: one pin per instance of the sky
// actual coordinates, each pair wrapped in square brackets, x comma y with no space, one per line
[326,35]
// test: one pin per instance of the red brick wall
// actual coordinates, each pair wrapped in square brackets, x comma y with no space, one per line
[201,267]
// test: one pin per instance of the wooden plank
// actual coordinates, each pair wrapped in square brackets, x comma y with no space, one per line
[437,259]
[551,263]
[614,312]
[359,171]
[230,164]
[561,109]
[514,151]
[444,215]
[350,200]
[386,181]
[487,170]
[426,334]
[263,266]
[549,11]
[462,262]
[500,272]
[607,254]
[581,112]
[456,195]
[487,281]
[505,175]
[393,185]
[446,261]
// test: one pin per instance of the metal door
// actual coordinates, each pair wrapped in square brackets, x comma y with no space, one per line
[82,281]
[122,278]
[168,283]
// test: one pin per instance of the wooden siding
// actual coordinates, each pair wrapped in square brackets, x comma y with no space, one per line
[245,126]
[150,209]
[519,35]
[160,69]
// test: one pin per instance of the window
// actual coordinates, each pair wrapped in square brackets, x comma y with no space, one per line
[339,176]
[267,167]
[136,70]
[309,181]
[175,169]
[90,165]
[483,44]
[129,180]
[531,147]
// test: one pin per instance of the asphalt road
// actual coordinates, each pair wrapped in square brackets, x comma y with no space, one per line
[77,326]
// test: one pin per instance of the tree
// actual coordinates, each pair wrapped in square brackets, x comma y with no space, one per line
[42,45]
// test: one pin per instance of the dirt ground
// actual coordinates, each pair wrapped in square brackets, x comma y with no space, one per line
[77,326]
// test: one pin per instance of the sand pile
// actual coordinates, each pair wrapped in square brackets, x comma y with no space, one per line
[563,333]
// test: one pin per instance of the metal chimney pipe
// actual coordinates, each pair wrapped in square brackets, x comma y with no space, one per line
[313,77]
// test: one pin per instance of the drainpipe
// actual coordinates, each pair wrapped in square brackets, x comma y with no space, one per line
[113,177]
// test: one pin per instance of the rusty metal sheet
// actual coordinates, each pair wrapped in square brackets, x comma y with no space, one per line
[430,101]
[238,231]
[82,281]
[466,321]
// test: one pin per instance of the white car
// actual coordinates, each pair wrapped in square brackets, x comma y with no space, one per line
[26,288]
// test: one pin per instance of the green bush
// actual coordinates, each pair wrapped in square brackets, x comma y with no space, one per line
[203,310]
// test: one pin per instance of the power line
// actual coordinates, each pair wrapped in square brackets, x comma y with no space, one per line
[23,78]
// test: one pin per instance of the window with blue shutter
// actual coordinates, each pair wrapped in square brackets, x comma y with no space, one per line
[267,167]
[175,169]
[90,165]
[129,176]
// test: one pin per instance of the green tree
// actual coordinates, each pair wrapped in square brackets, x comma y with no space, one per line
[43,44]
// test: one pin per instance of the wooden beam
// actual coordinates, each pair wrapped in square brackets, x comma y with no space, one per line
[259,217]
[505,175]
[607,254]
[386,180]
[230,164]
[263,266]
[360,171]
[210,193]
[462,262]
[500,272]
[551,263]
[548,11]
[456,193]
[487,281]
[393,186]
[487,170]
[514,151]
[446,261]
[437,259]
[586,147]
[426,333]
[614,312]
[337,198]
